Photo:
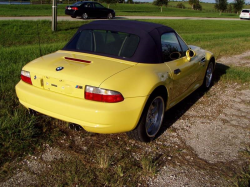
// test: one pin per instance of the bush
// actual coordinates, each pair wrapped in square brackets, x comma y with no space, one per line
[180,5]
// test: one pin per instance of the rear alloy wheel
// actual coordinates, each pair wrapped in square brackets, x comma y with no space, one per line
[109,16]
[208,76]
[84,16]
[151,120]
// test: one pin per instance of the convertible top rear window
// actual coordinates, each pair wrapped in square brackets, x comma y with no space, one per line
[105,42]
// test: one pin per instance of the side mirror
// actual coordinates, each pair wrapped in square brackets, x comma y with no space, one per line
[190,54]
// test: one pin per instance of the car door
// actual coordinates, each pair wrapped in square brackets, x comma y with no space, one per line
[87,8]
[100,10]
[183,72]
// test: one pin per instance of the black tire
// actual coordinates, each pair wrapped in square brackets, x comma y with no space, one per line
[141,132]
[85,16]
[208,79]
[109,16]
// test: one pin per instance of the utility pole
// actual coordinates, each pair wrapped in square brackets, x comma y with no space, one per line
[54,15]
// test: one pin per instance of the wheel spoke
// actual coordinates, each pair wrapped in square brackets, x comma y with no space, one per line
[154,117]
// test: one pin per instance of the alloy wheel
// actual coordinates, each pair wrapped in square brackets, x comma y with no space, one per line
[155,116]
[209,75]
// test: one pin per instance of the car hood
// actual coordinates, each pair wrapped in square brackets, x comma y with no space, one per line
[64,69]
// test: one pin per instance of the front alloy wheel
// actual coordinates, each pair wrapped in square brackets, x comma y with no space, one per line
[151,120]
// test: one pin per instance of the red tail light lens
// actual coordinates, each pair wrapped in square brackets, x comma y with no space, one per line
[102,95]
[25,76]
[74,8]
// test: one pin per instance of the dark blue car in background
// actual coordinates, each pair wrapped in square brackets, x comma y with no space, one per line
[87,9]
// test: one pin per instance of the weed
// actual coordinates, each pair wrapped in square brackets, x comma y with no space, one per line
[120,171]
[244,178]
[103,160]
[148,165]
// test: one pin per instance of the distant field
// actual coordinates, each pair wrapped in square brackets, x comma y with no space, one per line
[121,10]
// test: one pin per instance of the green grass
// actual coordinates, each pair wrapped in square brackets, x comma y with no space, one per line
[108,161]
[121,10]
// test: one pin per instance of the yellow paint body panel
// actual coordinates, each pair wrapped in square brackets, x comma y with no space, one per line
[92,116]
[54,93]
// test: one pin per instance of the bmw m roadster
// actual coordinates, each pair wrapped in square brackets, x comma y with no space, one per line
[116,76]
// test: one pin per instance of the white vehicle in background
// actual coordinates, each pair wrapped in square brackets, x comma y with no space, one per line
[245,14]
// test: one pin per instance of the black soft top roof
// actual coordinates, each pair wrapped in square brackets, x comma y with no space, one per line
[149,48]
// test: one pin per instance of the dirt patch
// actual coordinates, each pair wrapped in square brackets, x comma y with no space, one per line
[236,60]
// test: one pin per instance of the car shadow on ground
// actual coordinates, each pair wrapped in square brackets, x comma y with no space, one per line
[175,113]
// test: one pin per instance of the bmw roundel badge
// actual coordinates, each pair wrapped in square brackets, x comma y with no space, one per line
[59,68]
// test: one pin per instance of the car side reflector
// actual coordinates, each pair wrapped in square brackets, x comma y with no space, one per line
[25,76]
[102,95]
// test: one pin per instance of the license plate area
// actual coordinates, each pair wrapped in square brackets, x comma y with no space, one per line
[63,86]
[57,85]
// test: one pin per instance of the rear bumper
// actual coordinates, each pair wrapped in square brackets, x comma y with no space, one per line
[93,116]
[244,17]
[71,13]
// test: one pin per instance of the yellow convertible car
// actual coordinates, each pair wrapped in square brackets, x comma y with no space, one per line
[116,76]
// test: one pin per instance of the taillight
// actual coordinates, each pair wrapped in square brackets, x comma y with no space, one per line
[66,7]
[74,8]
[25,76]
[102,95]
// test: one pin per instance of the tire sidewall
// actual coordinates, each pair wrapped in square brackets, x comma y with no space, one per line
[142,123]
[205,77]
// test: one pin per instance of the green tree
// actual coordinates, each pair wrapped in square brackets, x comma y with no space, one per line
[197,6]
[220,5]
[161,3]
[180,5]
[230,8]
[130,1]
[110,2]
[238,5]
[192,2]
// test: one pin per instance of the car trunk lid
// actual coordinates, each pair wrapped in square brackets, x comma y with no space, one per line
[69,72]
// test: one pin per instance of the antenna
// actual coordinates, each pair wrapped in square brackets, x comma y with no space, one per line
[39,40]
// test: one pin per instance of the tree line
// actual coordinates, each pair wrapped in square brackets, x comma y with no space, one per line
[220,5]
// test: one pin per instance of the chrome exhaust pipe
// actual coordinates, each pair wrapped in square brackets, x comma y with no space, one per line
[75,127]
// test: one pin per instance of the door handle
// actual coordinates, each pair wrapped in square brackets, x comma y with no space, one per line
[177,71]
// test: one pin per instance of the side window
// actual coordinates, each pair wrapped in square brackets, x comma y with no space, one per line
[171,49]
[87,5]
[98,5]
[183,45]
